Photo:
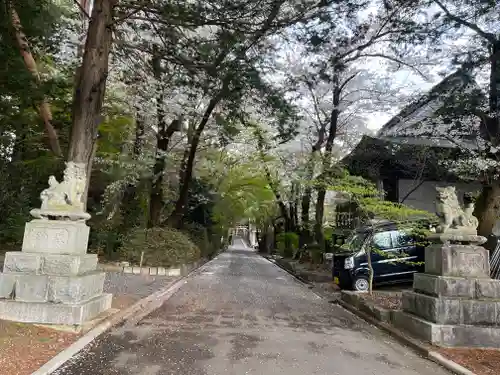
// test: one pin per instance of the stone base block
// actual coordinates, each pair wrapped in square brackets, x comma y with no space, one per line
[452,310]
[75,289]
[69,264]
[7,285]
[31,288]
[446,286]
[56,289]
[54,313]
[49,264]
[18,262]
[457,260]
[56,237]
[448,335]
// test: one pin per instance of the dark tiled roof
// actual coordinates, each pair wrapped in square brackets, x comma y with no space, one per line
[458,80]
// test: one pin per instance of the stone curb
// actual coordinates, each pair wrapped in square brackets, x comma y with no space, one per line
[421,349]
[138,310]
[418,347]
[449,364]
[297,277]
[379,313]
[153,271]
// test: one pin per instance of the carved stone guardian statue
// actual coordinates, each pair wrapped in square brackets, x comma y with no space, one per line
[53,280]
[454,302]
[454,218]
[63,200]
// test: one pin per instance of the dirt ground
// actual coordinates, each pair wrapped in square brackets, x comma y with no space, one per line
[24,347]
[479,361]
[386,300]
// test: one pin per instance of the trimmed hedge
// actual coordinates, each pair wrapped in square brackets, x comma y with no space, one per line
[165,247]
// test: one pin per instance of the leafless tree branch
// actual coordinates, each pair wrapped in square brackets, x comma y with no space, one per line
[488,36]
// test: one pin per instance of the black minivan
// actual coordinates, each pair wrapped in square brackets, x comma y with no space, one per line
[393,261]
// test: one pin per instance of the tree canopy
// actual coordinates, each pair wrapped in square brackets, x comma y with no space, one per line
[199,115]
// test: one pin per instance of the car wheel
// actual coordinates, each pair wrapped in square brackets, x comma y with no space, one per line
[361,284]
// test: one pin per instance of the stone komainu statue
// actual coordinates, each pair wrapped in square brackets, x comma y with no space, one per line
[454,218]
[64,199]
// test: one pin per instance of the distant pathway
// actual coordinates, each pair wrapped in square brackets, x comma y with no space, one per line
[240,314]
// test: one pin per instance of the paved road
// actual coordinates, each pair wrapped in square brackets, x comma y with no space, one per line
[240,314]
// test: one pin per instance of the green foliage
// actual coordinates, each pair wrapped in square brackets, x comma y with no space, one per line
[161,246]
[25,160]
[20,192]
[243,191]
[105,238]
[201,238]
[287,243]
[328,233]
[371,204]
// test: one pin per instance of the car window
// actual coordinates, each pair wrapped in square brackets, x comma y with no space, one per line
[402,239]
[382,240]
[355,242]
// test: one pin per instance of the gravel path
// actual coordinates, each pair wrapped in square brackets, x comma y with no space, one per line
[138,285]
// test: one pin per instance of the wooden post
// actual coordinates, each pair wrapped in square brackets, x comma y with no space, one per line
[142,259]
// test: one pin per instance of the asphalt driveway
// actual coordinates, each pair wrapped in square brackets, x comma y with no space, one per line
[240,314]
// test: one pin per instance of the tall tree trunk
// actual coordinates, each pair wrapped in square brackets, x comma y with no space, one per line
[327,162]
[185,156]
[129,195]
[294,204]
[162,140]
[487,209]
[285,214]
[91,83]
[305,204]
[140,130]
[175,219]
[29,61]
[89,168]
[488,204]
[307,196]
[494,97]
[291,207]
[85,10]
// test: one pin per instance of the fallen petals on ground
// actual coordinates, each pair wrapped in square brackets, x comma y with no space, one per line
[386,300]
[479,361]
[24,348]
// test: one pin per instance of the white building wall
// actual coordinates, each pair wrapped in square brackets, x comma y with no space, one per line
[423,197]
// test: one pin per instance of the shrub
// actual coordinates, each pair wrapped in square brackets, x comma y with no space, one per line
[315,253]
[199,235]
[164,247]
[288,244]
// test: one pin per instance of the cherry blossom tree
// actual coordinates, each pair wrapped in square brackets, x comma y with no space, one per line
[341,74]
[467,34]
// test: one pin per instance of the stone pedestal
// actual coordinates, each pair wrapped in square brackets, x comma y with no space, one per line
[52,280]
[455,302]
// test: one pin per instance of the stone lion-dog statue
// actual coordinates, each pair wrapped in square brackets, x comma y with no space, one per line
[452,217]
